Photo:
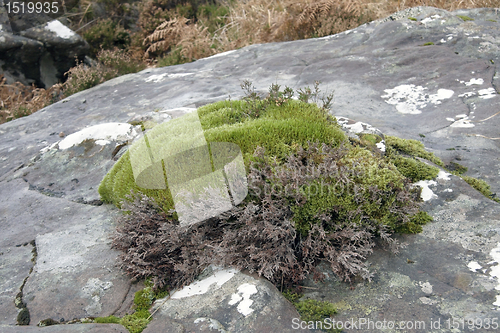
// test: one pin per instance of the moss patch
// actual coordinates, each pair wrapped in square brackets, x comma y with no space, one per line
[481,186]
[414,226]
[465,18]
[279,129]
[456,169]
[139,320]
[414,169]
[412,148]
[315,312]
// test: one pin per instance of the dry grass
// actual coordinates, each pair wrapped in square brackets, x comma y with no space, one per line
[391,6]
[260,21]
[18,100]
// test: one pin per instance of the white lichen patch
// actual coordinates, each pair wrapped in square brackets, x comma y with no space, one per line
[381,145]
[94,289]
[59,29]
[48,148]
[463,122]
[410,99]
[487,93]
[495,270]
[443,175]
[427,193]
[467,94]
[427,301]
[243,297]
[102,142]
[473,81]
[201,287]
[426,287]
[430,19]
[161,77]
[356,127]
[214,324]
[474,266]
[106,131]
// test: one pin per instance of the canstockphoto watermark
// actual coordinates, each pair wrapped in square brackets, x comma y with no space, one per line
[360,324]
[319,187]
[204,180]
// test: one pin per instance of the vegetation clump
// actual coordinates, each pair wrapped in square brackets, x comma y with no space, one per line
[313,196]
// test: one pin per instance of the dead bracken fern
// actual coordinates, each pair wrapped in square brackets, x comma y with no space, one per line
[313,11]
[193,39]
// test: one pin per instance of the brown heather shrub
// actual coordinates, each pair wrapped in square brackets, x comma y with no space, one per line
[18,100]
[82,77]
[260,235]
[110,64]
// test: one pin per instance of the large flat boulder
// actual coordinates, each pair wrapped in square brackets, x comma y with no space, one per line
[424,74]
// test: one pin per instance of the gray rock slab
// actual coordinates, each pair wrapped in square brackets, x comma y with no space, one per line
[73,328]
[15,265]
[225,300]
[76,274]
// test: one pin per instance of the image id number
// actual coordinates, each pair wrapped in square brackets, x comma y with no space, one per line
[478,323]
[30,7]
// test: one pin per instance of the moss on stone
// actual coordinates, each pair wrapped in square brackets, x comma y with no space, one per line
[314,311]
[137,321]
[428,44]
[412,148]
[412,18]
[279,129]
[311,310]
[414,169]
[481,186]
[47,322]
[107,320]
[144,298]
[456,169]
[23,317]
[465,18]
[414,226]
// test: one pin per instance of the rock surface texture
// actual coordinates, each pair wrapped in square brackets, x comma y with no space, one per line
[423,74]
[34,48]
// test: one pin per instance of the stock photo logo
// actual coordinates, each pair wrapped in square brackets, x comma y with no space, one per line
[205,179]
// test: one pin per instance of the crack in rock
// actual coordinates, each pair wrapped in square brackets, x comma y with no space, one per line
[23,317]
